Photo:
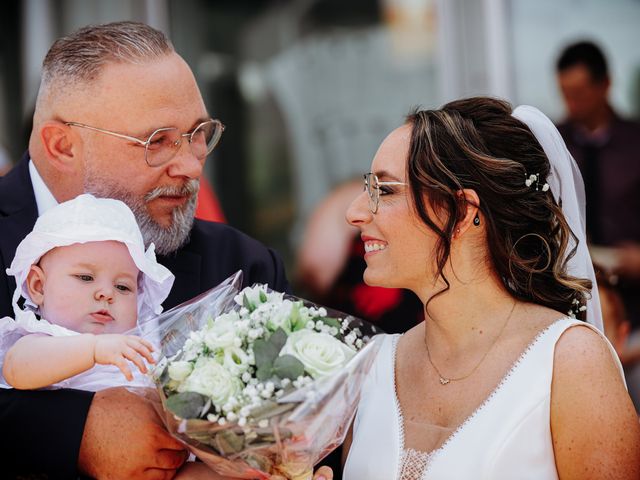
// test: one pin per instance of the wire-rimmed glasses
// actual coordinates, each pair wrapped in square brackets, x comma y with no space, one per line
[372,187]
[163,144]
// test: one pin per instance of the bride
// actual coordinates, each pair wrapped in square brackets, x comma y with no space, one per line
[500,381]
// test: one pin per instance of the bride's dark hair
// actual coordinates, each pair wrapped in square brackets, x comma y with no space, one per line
[475,143]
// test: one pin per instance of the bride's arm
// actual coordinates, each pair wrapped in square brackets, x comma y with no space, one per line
[594,426]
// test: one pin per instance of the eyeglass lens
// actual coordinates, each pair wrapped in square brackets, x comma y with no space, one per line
[371,186]
[165,143]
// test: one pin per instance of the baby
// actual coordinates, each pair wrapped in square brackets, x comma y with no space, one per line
[84,272]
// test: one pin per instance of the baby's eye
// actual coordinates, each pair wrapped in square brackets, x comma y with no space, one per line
[84,278]
[123,288]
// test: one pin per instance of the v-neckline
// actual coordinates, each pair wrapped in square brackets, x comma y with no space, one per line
[457,430]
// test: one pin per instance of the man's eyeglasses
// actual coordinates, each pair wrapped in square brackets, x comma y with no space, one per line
[372,187]
[163,144]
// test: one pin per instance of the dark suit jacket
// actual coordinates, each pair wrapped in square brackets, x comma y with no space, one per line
[40,431]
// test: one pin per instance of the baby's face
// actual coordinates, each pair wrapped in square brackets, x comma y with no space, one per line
[89,287]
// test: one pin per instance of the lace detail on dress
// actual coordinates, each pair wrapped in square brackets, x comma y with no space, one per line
[413,464]
[480,408]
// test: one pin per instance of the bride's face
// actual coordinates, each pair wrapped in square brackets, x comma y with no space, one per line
[398,246]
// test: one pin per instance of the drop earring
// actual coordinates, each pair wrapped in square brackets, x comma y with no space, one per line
[476,220]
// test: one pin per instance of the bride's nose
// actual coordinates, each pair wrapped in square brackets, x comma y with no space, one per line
[358,212]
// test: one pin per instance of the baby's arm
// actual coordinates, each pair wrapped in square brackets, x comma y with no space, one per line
[37,361]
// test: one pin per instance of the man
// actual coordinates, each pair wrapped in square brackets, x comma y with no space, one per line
[607,150]
[118,114]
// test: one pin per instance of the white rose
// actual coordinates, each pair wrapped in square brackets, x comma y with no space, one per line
[320,353]
[180,370]
[211,379]
[223,332]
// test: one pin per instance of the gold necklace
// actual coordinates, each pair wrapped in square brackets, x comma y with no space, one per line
[445,380]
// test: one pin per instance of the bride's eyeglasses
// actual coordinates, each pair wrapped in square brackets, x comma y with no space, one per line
[163,144]
[372,186]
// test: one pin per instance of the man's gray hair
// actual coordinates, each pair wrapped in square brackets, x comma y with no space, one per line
[81,55]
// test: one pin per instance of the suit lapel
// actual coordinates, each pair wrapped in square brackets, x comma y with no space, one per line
[185,265]
[18,212]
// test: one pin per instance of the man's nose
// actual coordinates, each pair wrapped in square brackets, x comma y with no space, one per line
[185,163]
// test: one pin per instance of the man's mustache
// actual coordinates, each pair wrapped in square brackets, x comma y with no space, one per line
[188,189]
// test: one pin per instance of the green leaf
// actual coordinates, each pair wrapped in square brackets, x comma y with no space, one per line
[227,442]
[186,404]
[264,372]
[277,339]
[265,353]
[269,409]
[263,297]
[288,366]
[246,303]
[294,319]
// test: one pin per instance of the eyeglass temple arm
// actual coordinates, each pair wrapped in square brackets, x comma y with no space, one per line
[119,135]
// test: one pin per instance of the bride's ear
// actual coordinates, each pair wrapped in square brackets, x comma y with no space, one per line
[471,216]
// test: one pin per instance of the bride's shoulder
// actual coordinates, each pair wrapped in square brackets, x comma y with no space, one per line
[582,349]
[579,346]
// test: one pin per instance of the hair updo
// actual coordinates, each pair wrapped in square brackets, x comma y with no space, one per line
[475,143]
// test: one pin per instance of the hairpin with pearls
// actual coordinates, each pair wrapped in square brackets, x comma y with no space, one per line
[535,178]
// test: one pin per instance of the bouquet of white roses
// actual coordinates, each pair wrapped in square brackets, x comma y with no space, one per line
[257,382]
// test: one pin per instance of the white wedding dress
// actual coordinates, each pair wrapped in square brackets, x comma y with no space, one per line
[507,437]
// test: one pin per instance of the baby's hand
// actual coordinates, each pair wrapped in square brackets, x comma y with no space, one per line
[116,349]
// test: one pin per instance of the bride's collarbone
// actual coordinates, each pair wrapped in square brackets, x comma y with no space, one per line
[424,398]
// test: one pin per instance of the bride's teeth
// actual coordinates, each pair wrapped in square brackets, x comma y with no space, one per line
[374,247]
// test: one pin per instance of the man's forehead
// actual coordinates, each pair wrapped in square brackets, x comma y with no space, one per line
[144,97]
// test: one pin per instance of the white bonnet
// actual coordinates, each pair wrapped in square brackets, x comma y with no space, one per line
[90,219]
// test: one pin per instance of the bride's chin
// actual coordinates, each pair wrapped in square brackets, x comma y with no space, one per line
[373,280]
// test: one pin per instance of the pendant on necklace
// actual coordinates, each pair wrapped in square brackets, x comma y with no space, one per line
[444,381]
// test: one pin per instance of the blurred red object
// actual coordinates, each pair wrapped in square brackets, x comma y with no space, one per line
[208,207]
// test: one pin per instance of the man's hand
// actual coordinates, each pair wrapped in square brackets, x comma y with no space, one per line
[116,349]
[124,439]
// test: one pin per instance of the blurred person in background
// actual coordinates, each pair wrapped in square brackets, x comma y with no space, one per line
[617,328]
[607,150]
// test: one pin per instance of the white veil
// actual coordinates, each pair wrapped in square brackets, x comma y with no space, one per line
[567,187]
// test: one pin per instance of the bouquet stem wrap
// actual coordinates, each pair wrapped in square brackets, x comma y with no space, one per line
[259,383]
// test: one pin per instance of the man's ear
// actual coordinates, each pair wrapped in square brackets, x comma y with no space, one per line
[60,144]
[469,198]
[35,284]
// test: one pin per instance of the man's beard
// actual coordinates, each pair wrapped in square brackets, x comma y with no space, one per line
[166,239]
